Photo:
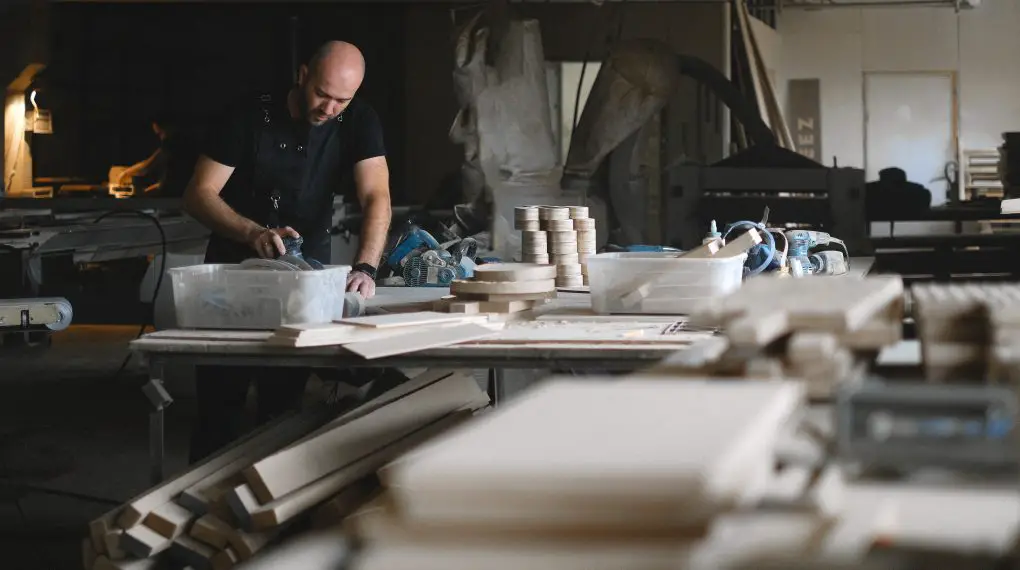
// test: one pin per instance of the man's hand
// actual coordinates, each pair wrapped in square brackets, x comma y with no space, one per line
[268,243]
[361,283]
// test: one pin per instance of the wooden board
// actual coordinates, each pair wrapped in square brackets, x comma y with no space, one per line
[551,472]
[139,507]
[407,320]
[280,511]
[502,272]
[297,466]
[504,288]
[419,340]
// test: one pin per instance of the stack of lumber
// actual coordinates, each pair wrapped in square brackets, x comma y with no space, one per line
[563,236]
[229,507]
[580,475]
[819,329]
[501,288]
[378,336]
[965,327]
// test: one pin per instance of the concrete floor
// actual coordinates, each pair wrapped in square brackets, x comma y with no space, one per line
[68,424]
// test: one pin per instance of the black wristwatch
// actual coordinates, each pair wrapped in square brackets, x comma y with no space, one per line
[365,268]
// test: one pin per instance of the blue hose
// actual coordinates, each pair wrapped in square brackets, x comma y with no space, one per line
[769,246]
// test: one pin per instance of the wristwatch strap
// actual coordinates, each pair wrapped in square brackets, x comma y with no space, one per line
[366,268]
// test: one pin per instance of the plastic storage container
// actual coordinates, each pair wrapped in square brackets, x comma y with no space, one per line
[659,283]
[215,296]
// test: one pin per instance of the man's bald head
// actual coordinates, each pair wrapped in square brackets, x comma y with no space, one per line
[330,79]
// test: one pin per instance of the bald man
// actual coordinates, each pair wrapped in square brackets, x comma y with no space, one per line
[269,170]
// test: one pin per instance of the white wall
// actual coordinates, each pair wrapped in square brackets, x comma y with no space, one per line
[838,45]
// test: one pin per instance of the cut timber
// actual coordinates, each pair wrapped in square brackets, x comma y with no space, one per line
[503,272]
[143,542]
[704,250]
[275,513]
[113,549]
[290,469]
[504,288]
[247,544]
[405,320]
[191,552]
[294,430]
[169,520]
[740,244]
[225,559]
[346,502]
[419,340]
[497,298]
[211,530]
[138,508]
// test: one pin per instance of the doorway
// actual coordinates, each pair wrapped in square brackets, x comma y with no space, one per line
[910,123]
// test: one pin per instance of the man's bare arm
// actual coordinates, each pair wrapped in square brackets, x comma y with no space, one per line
[372,179]
[203,202]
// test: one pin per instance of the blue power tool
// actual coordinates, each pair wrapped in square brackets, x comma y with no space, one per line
[424,262]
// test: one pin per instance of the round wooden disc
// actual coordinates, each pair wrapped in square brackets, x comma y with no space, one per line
[570,281]
[537,258]
[526,225]
[578,211]
[567,269]
[562,237]
[584,224]
[563,249]
[557,225]
[553,213]
[522,213]
[563,258]
[499,272]
[503,287]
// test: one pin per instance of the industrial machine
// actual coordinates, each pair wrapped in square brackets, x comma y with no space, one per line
[421,261]
[632,85]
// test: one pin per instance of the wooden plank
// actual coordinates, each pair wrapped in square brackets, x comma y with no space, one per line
[406,319]
[169,519]
[211,530]
[197,498]
[280,511]
[143,542]
[290,469]
[191,552]
[88,554]
[415,341]
[225,559]
[134,512]
[112,541]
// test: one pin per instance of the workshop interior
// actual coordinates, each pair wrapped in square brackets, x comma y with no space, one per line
[665,284]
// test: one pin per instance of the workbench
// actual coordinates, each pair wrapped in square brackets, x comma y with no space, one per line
[248,348]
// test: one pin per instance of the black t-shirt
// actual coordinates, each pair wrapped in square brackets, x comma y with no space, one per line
[305,165]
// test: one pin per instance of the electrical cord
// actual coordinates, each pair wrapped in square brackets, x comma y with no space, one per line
[159,278]
[769,246]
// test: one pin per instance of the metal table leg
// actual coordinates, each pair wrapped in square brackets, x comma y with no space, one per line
[160,399]
[496,386]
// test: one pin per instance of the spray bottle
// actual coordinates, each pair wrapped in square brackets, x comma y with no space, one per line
[712,235]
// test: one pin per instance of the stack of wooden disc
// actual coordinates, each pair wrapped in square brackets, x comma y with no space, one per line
[502,288]
[563,236]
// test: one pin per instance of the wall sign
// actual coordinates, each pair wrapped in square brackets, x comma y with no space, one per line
[804,113]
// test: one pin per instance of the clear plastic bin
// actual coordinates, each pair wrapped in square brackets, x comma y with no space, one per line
[659,283]
[215,296]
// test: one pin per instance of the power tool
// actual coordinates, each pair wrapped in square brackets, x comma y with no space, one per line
[424,262]
[801,242]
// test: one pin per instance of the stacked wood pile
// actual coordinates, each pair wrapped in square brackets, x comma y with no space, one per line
[501,288]
[579,475]
[820,329]
[302,468]
[563,236]
[967,330]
